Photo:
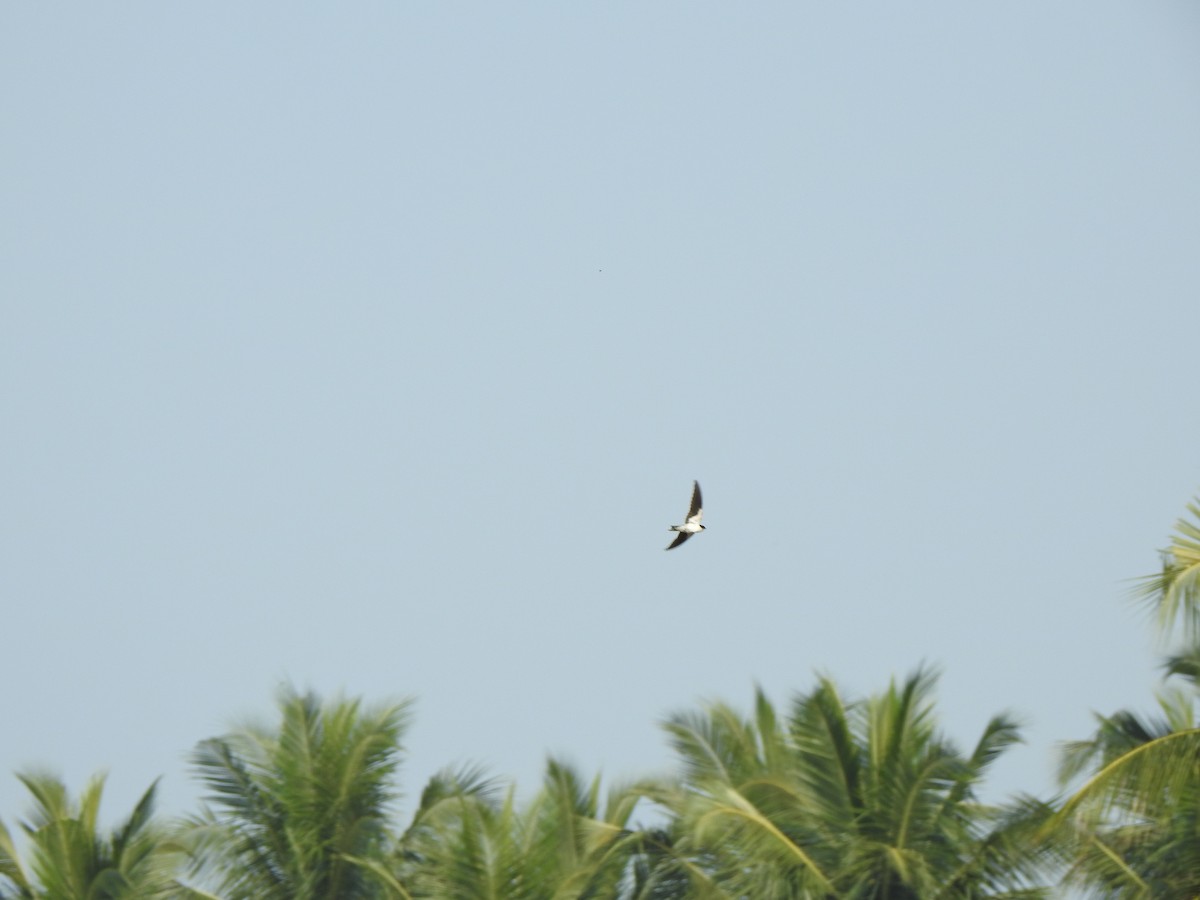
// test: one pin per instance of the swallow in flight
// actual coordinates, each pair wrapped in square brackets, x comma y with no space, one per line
[692,524]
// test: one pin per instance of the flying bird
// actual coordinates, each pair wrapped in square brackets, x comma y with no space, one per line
[692,524]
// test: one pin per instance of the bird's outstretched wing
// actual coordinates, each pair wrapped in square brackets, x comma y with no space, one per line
[679,539]
[696,511]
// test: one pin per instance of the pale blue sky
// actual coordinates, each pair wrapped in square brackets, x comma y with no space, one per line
[376,345]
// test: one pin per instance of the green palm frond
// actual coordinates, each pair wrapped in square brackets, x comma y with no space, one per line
[1001,733]
[714,743]
[900,719]
[730,816]
[1101,865]
[383,874]
[441,801]
[1174,592]
[1185,665]
[70,856]
[1013,853]
[1115,736]
[831,761]
[11,868]
[1141,779]
[472,846]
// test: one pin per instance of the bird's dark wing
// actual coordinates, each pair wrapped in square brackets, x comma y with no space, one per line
[679,539]
[697,503]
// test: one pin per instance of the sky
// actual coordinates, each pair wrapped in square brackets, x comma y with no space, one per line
[373,347]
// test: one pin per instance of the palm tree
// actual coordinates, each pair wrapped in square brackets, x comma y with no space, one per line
[300,811]
[1132,827]
[845,799]
[70,858]
[472,841]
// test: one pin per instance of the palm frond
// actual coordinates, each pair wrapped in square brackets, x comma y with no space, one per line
[1139,779]
[1174,592]
[730,816]
[383,874]
[714,743]
[1103,865]
[10,864]
[70,856]
[831,760]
